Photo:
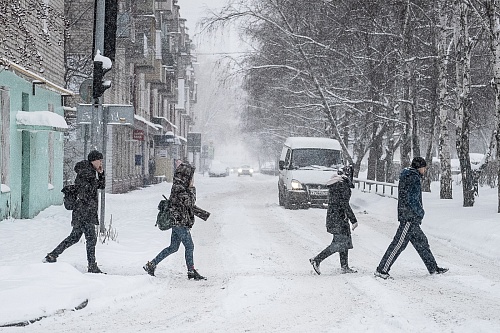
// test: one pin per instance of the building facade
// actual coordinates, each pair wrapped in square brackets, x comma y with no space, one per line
[153,73]
[31,108]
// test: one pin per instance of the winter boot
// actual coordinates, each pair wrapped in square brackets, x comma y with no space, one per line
[193,274]
[382,275]
[150,268]
[50,258]
[94,269]
[346,270]
[440,270]
[315,265]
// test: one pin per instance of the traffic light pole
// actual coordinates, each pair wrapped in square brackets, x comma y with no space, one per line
[97,136]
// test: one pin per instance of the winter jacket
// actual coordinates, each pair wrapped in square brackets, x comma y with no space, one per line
[410,208]
[182,196]
[339,211]
[87,182]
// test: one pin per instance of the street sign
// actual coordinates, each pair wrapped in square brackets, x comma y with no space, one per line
[138,135]
[194,142]
[117,114]
[194,139]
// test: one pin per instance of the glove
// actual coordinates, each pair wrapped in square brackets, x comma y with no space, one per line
[354,225]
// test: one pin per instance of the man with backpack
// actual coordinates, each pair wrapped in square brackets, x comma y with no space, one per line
[89,179]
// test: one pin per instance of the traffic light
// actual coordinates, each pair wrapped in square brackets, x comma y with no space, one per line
[99,85]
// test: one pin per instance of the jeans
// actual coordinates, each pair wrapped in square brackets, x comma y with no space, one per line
[90,236]
[179,235]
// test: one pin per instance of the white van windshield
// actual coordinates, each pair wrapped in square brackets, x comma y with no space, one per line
[311,157]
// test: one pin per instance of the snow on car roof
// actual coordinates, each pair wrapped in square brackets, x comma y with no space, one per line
[310,142]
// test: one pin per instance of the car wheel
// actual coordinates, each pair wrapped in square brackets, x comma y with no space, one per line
[280,197]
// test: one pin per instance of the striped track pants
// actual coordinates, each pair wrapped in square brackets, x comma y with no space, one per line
[408,232]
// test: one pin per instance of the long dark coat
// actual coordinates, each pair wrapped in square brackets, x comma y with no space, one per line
[182,196]
[339,212]
[87,181]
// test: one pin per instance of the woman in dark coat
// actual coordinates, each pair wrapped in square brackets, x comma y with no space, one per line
[337,223]
[182,205]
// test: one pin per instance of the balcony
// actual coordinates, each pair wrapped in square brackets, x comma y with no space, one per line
[144,7]
[164,5]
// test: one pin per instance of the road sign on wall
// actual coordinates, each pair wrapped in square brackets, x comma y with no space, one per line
[138,135]
[194,142]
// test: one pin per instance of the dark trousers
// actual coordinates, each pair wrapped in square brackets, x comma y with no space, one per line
[179,235]
[408,232]
[73,238]
[344,257]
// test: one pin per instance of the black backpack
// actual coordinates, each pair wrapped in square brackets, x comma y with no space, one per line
[163,221]
[70,195]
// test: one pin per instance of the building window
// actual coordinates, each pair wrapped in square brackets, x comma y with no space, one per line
[25,103]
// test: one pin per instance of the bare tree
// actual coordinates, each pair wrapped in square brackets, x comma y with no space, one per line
[492,13]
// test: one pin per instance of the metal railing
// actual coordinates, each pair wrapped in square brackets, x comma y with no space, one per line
[381,188]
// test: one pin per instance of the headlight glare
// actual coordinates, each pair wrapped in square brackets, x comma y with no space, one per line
[296,185]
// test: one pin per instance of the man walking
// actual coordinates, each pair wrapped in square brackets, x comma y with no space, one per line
[410,215]
[89,179]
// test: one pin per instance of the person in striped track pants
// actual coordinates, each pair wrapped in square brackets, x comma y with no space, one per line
[410,215]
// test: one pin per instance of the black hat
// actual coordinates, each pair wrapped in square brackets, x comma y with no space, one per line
[94,155]
[418,162]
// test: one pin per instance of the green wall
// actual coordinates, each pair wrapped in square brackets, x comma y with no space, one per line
[29,173]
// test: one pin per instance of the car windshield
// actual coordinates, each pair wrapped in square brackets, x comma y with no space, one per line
[315,157]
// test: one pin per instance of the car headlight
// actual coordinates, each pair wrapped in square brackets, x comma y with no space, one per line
[251,170]
[296,185]
[240,170]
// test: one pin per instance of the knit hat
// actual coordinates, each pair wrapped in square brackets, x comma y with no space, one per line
[94,155]
[418,162]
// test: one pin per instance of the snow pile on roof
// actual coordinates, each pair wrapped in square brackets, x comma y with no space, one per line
[40,118]
[310,142]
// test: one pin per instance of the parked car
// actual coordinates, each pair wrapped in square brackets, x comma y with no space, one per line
[245,170]
[269,168]
[218,169]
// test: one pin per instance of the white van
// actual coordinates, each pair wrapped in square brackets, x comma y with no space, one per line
[305,166]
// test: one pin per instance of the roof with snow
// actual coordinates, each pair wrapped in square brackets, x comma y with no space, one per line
[310,142]
[41,120]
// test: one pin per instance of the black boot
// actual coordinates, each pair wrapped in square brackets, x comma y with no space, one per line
[193,274]
[347,269]
[150,268]
[315,264]
[50,258]
[94,269]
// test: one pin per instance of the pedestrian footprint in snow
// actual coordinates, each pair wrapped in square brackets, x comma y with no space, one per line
[89,179]
[182,212]
[338,215]
[410,215]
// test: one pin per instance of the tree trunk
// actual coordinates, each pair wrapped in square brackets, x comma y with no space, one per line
[463,50]
[428,177]
[415,142]
[444,139]
[405,114]
[494,24]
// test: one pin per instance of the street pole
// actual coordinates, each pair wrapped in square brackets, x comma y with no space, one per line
[97,132]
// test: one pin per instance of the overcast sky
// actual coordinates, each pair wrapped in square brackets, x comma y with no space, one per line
[193,11]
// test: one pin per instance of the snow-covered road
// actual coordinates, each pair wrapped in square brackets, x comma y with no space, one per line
[255,255]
